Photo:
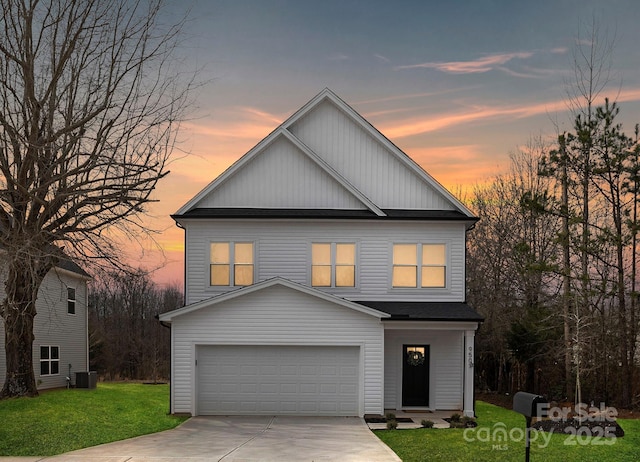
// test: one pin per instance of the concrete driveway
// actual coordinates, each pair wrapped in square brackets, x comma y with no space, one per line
[244,438]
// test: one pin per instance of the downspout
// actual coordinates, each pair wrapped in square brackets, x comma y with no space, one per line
[168,326]
[184,263]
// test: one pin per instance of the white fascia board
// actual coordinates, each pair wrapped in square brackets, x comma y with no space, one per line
[332,172]
[169,316]
[431,325]
[72,274]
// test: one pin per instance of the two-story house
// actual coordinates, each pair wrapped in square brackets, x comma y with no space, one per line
[325,275]
[61,345]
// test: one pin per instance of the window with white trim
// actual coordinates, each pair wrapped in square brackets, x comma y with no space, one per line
[231,263]
[333,264]
[419,265]
[71,300]
[49,360]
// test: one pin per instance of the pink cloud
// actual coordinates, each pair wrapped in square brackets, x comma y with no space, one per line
[480,65]
[418,125]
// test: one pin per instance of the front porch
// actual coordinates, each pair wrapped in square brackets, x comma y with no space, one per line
[429,368]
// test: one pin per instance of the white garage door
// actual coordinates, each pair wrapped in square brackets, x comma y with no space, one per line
[307,380]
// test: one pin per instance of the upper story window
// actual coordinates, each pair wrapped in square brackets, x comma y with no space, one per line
[232,263]
[49,360]
[419,265]
[71,300]
[333,264]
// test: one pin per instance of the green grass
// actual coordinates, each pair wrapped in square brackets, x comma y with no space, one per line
[422,445]
[64,420]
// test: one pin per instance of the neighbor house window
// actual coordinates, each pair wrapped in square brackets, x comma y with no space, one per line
[49,360]
[71,300]
[231,263]
[419,265]
[333,264]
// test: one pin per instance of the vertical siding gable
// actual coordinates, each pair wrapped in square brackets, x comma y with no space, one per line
[364,161]
[281,176]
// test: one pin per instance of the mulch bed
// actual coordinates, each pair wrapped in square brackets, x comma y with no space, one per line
[469,423]
[381,419]
[604,428]
[506,401]
[570,426]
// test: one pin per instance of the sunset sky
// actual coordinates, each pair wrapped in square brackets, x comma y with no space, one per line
[457,85]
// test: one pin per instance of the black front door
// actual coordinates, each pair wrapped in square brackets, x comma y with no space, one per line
[415,375]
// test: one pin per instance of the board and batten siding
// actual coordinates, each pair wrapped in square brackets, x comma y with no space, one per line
[446,366]
[53,326]
[283,249]
[276,315]
[281,175]
[364,161]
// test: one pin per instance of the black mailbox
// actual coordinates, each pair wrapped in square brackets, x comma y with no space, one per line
[530,405]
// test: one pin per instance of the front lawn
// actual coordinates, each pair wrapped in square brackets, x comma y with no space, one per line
[484,444]
[64,420]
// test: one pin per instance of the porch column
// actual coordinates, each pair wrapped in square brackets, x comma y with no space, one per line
[468,373]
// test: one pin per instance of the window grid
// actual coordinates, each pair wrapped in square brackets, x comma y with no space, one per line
[231,263]
[430,273]
[333,264]
[71,300]
[49,360]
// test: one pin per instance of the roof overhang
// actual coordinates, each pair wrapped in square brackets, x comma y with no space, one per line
[426,311]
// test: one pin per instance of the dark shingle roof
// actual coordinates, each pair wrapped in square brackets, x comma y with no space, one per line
[72,266]
[392,214]
[425,311]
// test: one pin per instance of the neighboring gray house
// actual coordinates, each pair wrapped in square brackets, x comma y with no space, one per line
[60,348]
[325,275]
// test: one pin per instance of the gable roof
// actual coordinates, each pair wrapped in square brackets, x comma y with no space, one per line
[306,135]
[277,281]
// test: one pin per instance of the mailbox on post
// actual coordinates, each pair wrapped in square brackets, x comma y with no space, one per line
[529,405]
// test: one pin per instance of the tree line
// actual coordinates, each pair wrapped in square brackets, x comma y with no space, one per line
[553,265]
[126,340]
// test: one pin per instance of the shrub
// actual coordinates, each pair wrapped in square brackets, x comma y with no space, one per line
[390,416]
[426,423]
[468,422]
[455,417]
[392,424]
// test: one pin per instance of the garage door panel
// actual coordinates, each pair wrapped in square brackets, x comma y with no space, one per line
[278,379]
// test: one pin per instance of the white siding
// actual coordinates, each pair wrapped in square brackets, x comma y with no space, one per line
[446,363]
[364,161]
[283,249]
[54,327]
[276,315]
[281,176]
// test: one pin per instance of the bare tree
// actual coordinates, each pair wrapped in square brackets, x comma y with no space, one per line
[90,100]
